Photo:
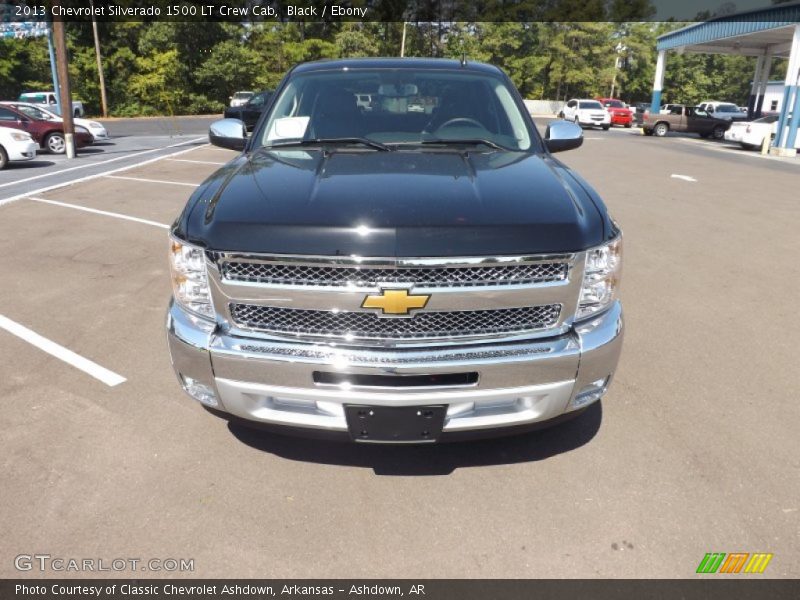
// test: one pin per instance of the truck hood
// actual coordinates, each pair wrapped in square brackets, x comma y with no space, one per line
[402,203]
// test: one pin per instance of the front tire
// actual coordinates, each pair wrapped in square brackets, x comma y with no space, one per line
[606,127]
[56,143]
[718,133]
[3,158]
[661,129]
[628,125]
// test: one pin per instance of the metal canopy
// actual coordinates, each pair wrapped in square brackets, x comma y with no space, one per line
[777,41]
[763,33]
[747,33]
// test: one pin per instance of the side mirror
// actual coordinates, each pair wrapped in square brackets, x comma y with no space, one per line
[563,135]
[228,133]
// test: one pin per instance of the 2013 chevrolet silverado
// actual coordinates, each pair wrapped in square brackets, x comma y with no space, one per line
[422,270]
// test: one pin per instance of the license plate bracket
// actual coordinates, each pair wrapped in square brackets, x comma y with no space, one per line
[395,424]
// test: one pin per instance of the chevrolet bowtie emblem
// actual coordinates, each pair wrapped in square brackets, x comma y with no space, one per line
[395,302]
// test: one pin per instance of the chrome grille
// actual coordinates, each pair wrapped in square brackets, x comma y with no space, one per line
[344,276]
[423,325]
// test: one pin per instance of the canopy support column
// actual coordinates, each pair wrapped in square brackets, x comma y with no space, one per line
[784,139]
[658,84]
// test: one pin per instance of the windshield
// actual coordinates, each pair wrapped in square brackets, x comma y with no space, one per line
[770,119]
[727,108]
[591,104]
[615,104]
[404,106]
[33,113]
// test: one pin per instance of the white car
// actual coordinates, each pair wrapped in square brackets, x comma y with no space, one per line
[35,111]
[751,134]
[16,145]
[586,113]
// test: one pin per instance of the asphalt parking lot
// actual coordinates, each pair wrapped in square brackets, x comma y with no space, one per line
[693,450]
[131,141]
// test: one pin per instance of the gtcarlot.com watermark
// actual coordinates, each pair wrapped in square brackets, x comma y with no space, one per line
[48,563]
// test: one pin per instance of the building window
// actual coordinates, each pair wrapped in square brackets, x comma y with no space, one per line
[773,105]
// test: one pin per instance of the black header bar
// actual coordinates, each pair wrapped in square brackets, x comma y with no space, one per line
[255,11]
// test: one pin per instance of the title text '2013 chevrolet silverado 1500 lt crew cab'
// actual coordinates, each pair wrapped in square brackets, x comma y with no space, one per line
[395,275]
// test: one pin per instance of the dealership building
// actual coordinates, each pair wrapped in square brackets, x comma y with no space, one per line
[766,34]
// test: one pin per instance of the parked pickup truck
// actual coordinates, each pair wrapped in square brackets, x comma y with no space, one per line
[393,275]
[685,119]
[48,100]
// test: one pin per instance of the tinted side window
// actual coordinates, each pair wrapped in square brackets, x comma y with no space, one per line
[7,115]
[259,99]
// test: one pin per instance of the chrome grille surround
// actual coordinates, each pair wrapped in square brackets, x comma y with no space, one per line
[276,273]
[481,300]
[423,325]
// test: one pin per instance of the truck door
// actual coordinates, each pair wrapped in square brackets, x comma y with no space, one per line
[677,121]
[569,109]
[699,121]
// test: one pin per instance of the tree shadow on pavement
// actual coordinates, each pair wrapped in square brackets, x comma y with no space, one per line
[439,459]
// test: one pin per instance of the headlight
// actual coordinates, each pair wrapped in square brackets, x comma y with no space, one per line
[601,278]
[21,137]
[95,125]
[189,282]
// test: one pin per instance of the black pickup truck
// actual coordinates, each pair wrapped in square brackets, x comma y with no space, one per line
[423,270]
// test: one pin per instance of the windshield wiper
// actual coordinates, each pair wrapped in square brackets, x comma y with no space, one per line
[466,142]
[340,140]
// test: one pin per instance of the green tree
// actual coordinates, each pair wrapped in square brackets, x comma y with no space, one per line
[352,41]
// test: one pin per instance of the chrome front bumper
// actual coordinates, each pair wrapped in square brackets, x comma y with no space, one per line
[520,383]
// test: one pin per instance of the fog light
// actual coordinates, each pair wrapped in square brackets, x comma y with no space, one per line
[199,391]
[592,392]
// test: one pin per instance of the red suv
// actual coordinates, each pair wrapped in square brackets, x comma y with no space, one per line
[48,134]
[620,114]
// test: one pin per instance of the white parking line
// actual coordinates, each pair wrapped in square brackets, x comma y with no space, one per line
[152,180]
[57,186]
[101,162]
[683,177]
[197,162]
[68,356]
[99,212]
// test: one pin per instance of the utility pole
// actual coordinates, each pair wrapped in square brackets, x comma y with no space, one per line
[614,78]
[99,63]
[65,97]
